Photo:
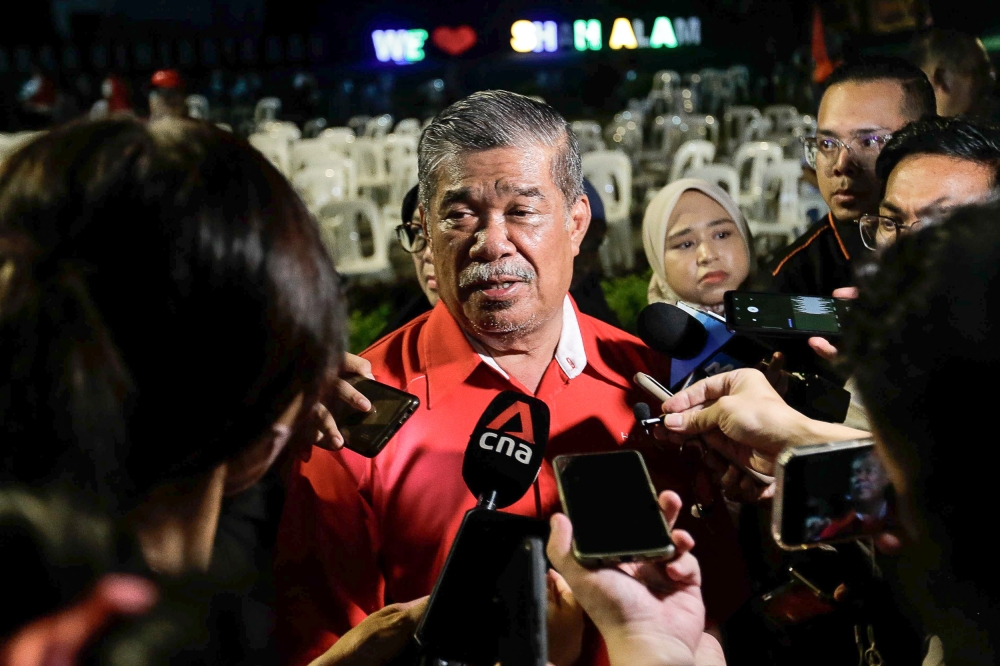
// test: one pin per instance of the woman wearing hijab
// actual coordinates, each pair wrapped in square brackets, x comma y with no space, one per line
[697,243]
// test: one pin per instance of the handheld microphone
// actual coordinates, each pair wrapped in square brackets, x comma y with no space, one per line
[672,331]
[506,449]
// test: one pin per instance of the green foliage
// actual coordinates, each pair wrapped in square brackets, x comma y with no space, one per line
[365,325]
[626,295]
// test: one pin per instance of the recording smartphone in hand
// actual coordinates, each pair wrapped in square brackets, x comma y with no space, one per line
[831,492]
[368,432]
[785,315]
[612,504]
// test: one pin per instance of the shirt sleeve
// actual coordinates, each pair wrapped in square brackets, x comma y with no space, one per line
[326,561]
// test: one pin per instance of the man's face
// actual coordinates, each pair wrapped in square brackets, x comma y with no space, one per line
[868,479]
[927,187]
[850,112]
[503,240]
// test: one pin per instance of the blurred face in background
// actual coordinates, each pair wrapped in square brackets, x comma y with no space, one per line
[859,114]
[423,263]
[503,240]
[705,255]
[925,188]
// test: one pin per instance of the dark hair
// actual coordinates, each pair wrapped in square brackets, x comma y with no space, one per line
[55,552]
[499,119]
[410,202]
[961,138]
[164,296]
[958,51]
[922,328]
[918,93]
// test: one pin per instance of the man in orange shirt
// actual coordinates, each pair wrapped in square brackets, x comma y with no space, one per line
[503,209]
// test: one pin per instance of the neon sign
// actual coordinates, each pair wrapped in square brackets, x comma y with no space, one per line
[588,35]
[399,46]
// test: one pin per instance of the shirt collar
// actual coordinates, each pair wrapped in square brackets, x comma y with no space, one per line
[450,355]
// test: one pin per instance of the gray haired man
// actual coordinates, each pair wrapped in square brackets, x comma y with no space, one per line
[504,212]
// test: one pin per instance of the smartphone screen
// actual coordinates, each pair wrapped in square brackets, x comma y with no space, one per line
[368,432]
[610,500]
[834,494]
[784,313]
[467,619]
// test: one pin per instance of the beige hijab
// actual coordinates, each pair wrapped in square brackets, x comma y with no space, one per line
[654,232]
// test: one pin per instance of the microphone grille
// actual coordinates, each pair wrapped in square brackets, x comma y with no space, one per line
[671,331]
[641,411]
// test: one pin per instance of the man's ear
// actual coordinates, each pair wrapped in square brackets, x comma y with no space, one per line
[424,225]
[941,79]
[579,222]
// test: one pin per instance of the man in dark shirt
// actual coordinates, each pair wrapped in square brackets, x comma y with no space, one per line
[864,103]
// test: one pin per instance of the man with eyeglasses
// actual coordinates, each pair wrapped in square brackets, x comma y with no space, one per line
[930,168]
[864,103]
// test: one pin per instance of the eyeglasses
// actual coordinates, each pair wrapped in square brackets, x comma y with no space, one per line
[864,149]
[879,232]
[411,237]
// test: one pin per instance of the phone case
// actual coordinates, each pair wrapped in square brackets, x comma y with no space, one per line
[367,433]
[784,458]
[604,559]
[651,386]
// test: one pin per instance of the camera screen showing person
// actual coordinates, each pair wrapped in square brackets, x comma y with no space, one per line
[833,493]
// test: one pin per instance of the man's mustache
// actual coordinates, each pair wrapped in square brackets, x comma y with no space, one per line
[478,273]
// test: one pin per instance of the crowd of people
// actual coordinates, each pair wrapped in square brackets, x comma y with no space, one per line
[174,485]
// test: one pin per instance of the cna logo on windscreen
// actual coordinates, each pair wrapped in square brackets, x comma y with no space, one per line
[500,434]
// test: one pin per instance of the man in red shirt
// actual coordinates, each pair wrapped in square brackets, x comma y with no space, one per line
[503,210]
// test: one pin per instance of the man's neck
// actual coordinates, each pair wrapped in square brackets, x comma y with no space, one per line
[525,357]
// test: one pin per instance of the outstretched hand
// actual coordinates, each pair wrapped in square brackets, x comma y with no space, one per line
[822,346]
[741,415]
[647,612]
[328,436]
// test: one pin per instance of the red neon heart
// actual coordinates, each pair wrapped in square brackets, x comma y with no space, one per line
[454,41]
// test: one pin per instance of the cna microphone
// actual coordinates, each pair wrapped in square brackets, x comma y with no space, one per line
[671,330]
[506,449]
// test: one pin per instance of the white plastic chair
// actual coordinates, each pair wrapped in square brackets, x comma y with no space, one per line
[275,148]
[691,155]
[339,139]
[283,128]
[340,231]
[311,153]
[312,128]
[735,121]
[722,175]
[666,80]
[783,117]
[319,186]
[588,135]
[399,148]
[407,127]
[266,110]
[378,126]
[197,106]
[754,159]
[369,156]
[610,172]
[785,176]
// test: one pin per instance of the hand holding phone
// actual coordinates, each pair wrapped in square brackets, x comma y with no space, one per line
[831,492]
[368,432]
[611,502]
[655,603]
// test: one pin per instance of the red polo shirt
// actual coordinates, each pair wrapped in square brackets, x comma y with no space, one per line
[358,533]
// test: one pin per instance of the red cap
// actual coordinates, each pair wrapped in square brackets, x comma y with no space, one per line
[167,78]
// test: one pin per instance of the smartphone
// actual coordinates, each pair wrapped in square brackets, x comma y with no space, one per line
[478,606]
[757,313]
[368,432]
[612,504]
[828,493]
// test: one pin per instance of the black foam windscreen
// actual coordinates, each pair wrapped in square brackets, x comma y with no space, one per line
[640,411]
[671,331]
[507,447]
